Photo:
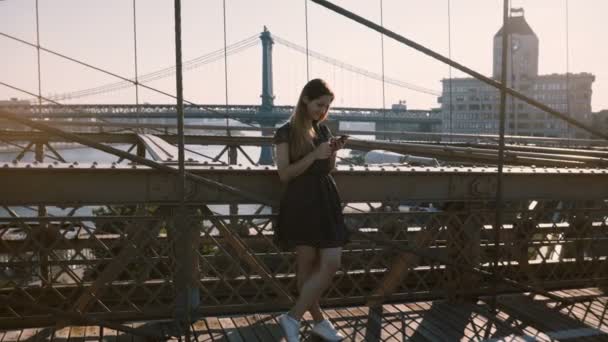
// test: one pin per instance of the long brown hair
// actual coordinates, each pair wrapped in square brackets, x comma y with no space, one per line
[302,132]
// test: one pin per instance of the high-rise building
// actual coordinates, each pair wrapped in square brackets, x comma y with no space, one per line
[471,106]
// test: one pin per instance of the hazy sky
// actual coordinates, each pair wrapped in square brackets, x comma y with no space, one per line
[100,32]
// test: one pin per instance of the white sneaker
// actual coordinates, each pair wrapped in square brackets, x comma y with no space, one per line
[291,327]
[327,331]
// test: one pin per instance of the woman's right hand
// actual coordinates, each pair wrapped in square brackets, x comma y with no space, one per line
[323,151]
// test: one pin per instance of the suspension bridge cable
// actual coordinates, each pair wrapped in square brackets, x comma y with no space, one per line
[568,69]
[122,85]
[181,179]
[354,69]
[135,61]
[226,67]
[105,72]
[306,29]
[162,73]
[38,57]
[501,151]
[511,80]
[382,59]
[450,68]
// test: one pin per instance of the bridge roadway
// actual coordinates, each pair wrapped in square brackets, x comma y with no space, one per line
[517,318]
[244,113]
[92,183]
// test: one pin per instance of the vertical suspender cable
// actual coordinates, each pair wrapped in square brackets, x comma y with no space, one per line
[135,63]
[226,69]
[512,84]
[501,150]
[383,84]
[567,70]
[38,52]
[306,28]
[41,208]
[180,101]
[450,67]
[181,179]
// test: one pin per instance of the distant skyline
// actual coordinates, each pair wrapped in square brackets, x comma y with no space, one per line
[100,32]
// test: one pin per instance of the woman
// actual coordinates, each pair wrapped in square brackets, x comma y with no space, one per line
[310,216]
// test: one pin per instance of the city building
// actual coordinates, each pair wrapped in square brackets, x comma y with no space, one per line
[14,101]
[600,120]
[471,106]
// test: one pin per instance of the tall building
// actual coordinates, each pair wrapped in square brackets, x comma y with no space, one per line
[470,106]
[600,120]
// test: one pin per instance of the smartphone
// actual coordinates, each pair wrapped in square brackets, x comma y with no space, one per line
[343,137]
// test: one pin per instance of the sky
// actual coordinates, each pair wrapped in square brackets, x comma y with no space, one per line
[101,33]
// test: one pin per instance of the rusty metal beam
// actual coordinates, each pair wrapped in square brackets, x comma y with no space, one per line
[479,154]
[143,161]
[400,135]
[82,184]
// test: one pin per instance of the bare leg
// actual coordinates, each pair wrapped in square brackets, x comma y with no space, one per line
[308,263]
[317,283]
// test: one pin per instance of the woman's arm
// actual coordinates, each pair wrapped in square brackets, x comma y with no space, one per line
[289,171]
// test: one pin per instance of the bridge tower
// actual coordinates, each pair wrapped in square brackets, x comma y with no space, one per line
[267,95]
[267,92]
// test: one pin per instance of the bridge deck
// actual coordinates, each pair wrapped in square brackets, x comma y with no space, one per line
[519,318]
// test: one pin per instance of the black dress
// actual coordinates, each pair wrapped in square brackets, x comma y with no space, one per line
[310,212]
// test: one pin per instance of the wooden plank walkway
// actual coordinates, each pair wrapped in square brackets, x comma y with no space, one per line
[519,318]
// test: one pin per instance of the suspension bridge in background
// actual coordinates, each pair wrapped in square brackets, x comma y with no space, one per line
[500,237]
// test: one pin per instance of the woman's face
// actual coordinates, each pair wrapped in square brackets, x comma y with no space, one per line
[318,107]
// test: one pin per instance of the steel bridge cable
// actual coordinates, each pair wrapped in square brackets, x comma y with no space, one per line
[306,30]
[38,55]
[212,57]
[568,68]
[487,80]
[501,148]
[181,178]
[122,85]
[511,80]
[135,60]
[449,66]
[382,58]
[107,72]
[163,73]
[225,67]
[353,68]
